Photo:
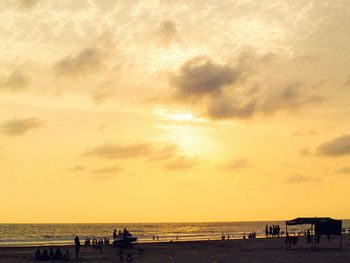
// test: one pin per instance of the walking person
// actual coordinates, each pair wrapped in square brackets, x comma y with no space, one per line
[77,247]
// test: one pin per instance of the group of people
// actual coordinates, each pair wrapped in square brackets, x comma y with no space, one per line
[251,235]
[94,241]
[46,256]
[272,231]
[121,235]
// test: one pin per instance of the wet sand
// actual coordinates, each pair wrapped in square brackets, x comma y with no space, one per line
[254,250]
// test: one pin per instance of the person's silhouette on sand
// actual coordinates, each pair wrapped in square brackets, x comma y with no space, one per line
[77,247]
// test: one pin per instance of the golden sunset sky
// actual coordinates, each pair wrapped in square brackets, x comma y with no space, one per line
[174,111]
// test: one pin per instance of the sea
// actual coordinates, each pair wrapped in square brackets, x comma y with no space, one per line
[12,235]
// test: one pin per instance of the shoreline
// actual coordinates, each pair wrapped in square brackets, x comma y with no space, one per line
[208,251]
[345,236]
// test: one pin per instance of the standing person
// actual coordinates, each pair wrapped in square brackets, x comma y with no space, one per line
[114,234]
[77,247]
[267,231]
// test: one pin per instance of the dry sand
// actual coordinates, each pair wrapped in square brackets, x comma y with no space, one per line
[258,250]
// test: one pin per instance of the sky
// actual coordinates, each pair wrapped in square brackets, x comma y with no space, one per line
[173,110]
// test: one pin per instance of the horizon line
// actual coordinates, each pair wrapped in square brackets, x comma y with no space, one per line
[164,222]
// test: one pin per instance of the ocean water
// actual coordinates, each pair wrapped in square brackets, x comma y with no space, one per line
[63,234]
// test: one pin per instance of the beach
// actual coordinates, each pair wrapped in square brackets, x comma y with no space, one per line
[248,250]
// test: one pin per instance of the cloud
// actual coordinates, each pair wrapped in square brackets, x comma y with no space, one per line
[343,170]
[233,91]
[226,108]
[180,163]
[236,164]
[168,32]
[290,97]
[151,151]
[16,127]
[168,155]
[15,82]
[200,77]
[297,178]
[336,147]
[87,61]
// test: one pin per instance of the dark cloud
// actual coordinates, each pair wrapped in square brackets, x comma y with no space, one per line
[150,151]
[297,178]
[180,163]
[16,127]
[343,170]
[236,164]
[15,82]
[168,32]
[86,62]
[231,91]
[200,77]
[336,147]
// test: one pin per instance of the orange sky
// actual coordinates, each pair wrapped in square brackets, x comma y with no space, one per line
[164,111]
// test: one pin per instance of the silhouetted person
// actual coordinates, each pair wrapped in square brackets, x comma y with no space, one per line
[77,247]
[308,236]
[266,231]
[37,254]
[115,234]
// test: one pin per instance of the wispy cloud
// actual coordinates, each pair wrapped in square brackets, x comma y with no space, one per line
[17,127]
[85,62]
[121,151]
[343,170]
[297,178]
[180,163]
[101,173]
[236,164]
[15,82]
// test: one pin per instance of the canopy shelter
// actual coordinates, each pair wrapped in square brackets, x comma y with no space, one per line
[319,226]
